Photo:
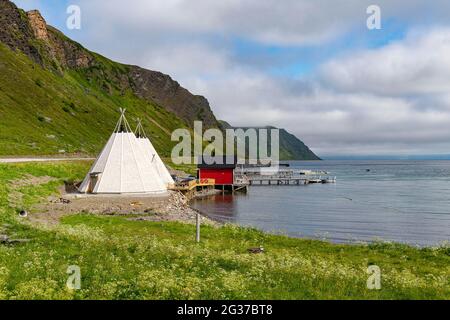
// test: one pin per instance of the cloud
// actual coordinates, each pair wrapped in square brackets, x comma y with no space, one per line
[418,65]
[391,100]
[293,22]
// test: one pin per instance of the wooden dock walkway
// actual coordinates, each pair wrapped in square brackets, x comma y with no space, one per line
[192,184]
[252,176]
[288,181]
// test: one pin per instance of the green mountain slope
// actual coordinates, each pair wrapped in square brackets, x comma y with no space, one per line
[58,97]
[291,148]
[44,113]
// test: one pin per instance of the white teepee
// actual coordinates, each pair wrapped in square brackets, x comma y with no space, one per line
[152,155]
[122,167]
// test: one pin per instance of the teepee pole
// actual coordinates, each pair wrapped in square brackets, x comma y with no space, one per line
[136,132]
[127,125]
[122,119]
[123,122]
[140,132]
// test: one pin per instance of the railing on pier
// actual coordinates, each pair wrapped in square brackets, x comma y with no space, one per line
[281,177]
[241,180]
[278,171]
[191,184]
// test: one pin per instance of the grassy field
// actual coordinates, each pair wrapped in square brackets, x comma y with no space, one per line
[122,259]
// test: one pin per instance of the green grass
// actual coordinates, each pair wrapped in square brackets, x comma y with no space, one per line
[121,259]
[187,168]
[44,112]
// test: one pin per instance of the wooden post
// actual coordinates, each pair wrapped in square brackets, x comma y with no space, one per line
[197,236]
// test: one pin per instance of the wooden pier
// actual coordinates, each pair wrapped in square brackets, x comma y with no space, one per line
[193,184]
[245,177]
[253,177]
[194,188]
[288,181]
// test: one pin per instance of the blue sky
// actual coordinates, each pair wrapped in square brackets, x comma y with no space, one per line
[312,67]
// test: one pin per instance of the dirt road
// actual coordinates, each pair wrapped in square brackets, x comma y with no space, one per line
[20,160]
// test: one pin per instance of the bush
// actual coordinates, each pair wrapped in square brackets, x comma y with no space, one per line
[38,82]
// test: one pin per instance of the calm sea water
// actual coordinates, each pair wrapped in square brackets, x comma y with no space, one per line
[401,201]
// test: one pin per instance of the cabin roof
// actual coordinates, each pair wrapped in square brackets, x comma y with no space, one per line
[217,162]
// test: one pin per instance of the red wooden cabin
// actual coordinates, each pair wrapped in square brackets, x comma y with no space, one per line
[221,170]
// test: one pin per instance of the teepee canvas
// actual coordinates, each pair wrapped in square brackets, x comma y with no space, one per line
[122,167]
[151,155]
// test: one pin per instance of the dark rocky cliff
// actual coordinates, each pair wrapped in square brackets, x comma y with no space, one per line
[162,89]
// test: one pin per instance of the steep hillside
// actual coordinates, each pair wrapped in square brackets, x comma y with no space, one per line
[291,148]
[56,96]
[44,113]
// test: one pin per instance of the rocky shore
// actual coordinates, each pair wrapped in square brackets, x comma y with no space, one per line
[171,207]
